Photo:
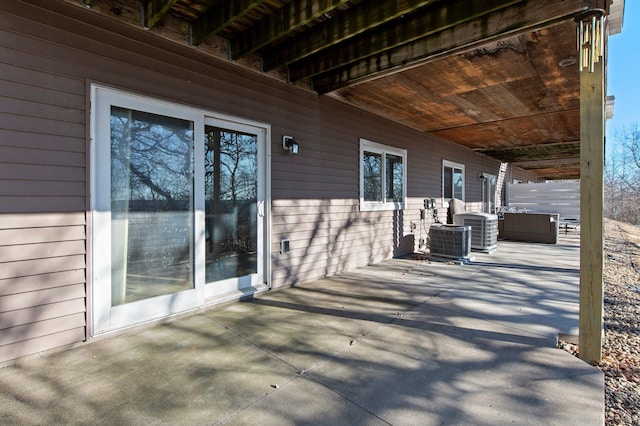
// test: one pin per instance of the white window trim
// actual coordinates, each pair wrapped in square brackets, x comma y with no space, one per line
[451,164]
[369,146]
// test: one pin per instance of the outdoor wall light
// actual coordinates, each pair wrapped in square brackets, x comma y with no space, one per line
[290,144]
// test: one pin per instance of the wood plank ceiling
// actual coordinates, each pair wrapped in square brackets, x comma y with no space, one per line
[497,76]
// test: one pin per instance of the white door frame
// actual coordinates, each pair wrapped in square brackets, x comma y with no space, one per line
[106,318]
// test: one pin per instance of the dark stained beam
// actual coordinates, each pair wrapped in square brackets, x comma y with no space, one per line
[519,131]
[525,16]
[285,20]
[154,10]
[415,26]
[547,151]
[566,168]
[345,25]
[219,16]
[545,163]
[555,174]
[559,168]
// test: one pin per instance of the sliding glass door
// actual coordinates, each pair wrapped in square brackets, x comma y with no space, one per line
[178,209]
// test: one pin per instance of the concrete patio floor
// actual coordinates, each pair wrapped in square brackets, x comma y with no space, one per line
[401,342]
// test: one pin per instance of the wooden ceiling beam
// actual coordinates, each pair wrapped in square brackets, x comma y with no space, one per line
[219,16]
[547,163]
[154,10]
[284,21]
[418,25]
[525,16]
[354,21]
[557,174]
[547,151]
[545,146]
[556,167]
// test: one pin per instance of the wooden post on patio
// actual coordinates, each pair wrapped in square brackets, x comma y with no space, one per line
[592,121]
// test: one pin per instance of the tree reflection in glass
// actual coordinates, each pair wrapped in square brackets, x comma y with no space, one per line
[395,178]
[151,205]
[372,170]
[231,184]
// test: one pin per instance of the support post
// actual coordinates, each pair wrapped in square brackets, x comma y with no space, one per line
[592,121]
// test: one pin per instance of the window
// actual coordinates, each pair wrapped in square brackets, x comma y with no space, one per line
[382,176]
[452,180]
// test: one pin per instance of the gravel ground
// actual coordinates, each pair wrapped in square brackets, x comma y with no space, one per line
[621,346]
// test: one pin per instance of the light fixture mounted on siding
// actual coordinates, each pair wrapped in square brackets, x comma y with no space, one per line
[290,144]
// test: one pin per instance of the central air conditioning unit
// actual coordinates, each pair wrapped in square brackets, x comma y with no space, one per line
[450,241]
[484,230]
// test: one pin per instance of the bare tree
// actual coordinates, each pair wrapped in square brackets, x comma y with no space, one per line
[622,175]
[152,159]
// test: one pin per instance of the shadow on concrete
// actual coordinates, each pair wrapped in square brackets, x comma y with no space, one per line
[400,342]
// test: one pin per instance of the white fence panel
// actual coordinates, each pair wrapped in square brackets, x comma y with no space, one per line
[551,197]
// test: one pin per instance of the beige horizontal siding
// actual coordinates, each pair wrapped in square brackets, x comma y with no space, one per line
[12,204]
[40,297]
[42,343]
[32,283]
[323,226]
[40,328]
[42,280]
[40,220]
[41,235]
[38,313]
[331,237]
[41,266]
[41,251]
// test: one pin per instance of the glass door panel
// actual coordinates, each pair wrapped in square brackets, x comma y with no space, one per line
[151,205]
[231,204]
